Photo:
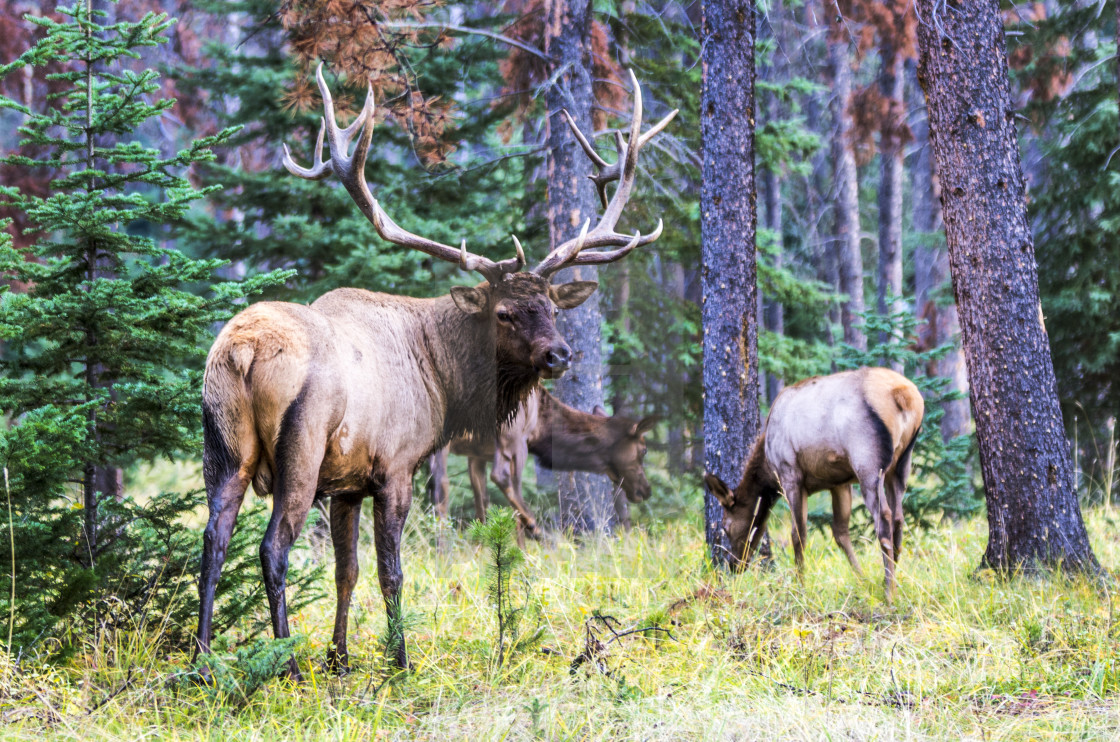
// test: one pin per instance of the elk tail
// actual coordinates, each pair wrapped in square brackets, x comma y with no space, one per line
[224,409]
[219,462]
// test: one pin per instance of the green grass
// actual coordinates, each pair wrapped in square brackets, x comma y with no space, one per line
[751,656]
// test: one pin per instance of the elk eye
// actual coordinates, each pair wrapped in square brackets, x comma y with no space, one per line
[503,316]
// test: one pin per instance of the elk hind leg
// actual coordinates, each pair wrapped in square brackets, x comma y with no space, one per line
[512,467]
[875,498]
[841,515]
[798,501]
[298,457]
[346,513]
[227,476]
[896,491]
[437,464]
[390,509]
[476,467]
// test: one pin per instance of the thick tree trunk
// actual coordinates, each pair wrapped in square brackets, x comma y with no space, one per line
[727,208]
[892,84]
[585,499]
[1033,514]
[846,186]
[936,311]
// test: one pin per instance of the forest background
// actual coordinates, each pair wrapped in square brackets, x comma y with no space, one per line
[852,264]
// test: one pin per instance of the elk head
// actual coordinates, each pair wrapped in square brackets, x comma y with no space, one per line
[747,507]
[625,451]
[522,306]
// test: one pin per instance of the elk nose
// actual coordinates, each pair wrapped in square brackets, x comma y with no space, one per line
[558,358]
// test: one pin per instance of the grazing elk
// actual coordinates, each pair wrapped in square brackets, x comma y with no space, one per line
[563,438]
[343,399]
[829,432]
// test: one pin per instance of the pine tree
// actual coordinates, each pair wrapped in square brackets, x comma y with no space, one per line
[1034,518]
[102,356]
[727,202]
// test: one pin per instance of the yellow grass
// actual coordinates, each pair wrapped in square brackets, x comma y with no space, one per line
[752,656]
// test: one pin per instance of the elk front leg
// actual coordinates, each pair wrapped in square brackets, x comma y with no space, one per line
[346,513]
[841,515]
[390,509]
[477,469]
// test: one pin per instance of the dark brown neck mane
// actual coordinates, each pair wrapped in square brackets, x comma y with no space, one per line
[482,392]
[757,476]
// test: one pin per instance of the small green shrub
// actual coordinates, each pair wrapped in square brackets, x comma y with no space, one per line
[498,535]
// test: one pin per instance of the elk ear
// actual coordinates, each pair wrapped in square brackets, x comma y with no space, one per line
[716,486]
[470,300]
[644,425]
[599,411]
[571,295]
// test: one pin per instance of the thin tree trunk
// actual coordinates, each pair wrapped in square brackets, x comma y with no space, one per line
[936,312]
[775,314]
[1033,514]
[677,376]
[728,219]
[585,499]
[892,83]
[846,184]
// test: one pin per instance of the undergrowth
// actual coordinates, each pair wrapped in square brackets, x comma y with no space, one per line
[754,655]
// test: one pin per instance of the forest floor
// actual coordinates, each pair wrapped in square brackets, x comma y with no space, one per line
[757,655]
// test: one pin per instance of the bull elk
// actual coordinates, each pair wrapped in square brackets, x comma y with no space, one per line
[829,432]
[344,398]
[563,438]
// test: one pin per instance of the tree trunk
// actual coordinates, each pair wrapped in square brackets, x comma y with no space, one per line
[892,84]
[585,499]
[936,312]
[677,375]
[727,208]
[846,184]
[1033,514]
[775,315]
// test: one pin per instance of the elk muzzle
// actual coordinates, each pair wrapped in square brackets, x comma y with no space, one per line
[553,360]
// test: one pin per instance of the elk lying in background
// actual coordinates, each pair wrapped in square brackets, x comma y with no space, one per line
[564,439]
[344,398]
[829,432]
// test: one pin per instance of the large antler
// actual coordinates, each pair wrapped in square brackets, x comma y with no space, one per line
[350,169]
[624,170]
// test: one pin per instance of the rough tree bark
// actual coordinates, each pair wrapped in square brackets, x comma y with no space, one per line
[727,208]
[585,499]
[1033,514]
[938,316]
[845,180]
[892,84]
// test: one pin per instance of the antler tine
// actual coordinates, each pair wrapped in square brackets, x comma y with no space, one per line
[586,145]
[520,250]
[625,171]
[598,257]
[319,169]
[350,169]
